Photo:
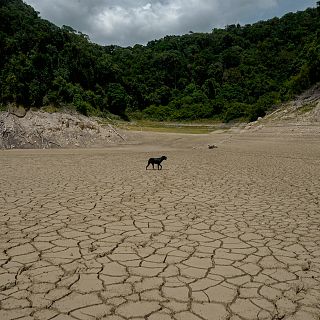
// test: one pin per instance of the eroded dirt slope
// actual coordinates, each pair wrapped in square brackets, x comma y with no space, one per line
[41,130]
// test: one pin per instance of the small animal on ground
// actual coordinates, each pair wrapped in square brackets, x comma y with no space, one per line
[157,161]
[212,146]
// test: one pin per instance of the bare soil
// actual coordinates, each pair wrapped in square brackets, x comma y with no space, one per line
[41,130]
[226,233]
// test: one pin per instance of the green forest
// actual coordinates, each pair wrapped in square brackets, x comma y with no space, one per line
[235,73]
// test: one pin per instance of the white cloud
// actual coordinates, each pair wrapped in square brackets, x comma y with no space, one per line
[127,22]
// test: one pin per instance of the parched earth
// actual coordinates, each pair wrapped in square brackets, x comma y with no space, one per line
[228,233]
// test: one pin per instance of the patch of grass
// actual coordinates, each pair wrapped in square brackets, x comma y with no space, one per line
[3,107]
[172,127]
[306,108]
[50,109]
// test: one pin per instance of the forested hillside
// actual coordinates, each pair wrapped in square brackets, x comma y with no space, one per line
[231,73]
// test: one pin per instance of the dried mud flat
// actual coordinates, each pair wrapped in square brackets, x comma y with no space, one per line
[229,233]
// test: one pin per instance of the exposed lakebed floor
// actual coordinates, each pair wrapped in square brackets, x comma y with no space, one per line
[229,233]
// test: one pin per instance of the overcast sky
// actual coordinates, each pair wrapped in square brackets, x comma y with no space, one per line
[129,22]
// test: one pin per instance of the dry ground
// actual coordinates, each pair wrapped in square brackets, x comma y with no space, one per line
[229,233]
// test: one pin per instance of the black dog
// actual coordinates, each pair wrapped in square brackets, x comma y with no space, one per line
[157,161]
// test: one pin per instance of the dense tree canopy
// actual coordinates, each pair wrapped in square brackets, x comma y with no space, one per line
[231,73]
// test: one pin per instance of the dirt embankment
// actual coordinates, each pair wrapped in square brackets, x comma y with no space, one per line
[302,112]
[40,130]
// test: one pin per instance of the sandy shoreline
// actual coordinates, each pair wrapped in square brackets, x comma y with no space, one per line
[229,233]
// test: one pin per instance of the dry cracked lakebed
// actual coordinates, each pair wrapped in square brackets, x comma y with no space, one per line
[230,233]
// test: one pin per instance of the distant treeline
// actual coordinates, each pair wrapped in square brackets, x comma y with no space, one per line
[232,73]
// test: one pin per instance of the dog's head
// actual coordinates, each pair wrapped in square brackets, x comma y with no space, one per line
[164,158]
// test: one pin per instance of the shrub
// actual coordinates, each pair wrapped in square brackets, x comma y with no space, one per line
[160,113]
[235,110]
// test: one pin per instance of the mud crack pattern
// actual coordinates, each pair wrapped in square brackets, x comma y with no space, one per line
[230,234]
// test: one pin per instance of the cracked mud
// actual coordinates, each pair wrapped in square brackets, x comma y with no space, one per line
[232,233]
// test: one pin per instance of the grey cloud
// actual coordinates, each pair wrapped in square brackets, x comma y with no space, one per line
[127,22]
